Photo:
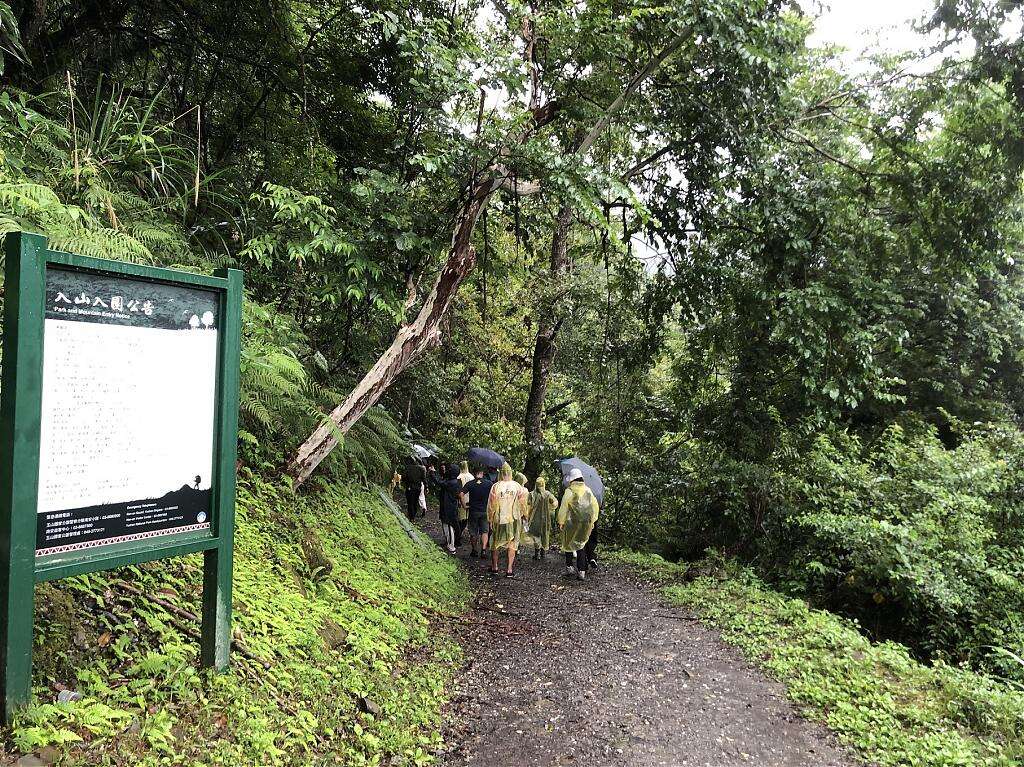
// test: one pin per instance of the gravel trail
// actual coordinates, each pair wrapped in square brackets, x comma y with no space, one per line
[603,673]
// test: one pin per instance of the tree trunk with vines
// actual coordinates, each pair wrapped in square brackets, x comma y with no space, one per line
[545,347]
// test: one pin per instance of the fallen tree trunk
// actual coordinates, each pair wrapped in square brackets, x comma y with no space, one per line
[410,341]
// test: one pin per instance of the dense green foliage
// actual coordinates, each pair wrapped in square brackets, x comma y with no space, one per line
[885,704]
[333,605]
[786,308]
[834,393]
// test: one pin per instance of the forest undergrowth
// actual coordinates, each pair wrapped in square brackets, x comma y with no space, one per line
[335,661]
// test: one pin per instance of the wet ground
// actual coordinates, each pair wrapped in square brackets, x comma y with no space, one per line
[603,673]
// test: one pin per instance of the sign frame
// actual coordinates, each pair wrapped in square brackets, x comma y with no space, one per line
[27,259]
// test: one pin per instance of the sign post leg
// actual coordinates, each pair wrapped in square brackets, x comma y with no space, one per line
[216,630]
[217,565]
[24,288]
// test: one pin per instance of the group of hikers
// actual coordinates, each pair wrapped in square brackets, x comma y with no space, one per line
[499,513]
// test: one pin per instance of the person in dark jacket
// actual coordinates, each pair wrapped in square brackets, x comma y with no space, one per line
[412,476]
[437,469]
[449,488]
[476,492]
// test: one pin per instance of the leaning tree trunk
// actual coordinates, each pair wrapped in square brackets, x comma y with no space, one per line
[410,341]
[545,347]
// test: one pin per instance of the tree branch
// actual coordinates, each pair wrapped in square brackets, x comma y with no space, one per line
[424,332]
[595,132]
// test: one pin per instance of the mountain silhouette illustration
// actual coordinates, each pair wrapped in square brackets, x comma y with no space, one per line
[177,508]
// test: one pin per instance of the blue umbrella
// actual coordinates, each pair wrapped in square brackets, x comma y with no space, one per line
[484,457]
[590,476]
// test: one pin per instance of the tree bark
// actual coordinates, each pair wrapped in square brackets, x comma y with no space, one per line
[545,348]
[32,18]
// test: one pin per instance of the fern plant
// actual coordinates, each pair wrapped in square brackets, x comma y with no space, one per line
[82,200]
[112,187]
[372,445]
[281,402]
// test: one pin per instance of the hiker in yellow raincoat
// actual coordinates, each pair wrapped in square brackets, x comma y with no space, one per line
[576,517]
[506,513]
[543,506]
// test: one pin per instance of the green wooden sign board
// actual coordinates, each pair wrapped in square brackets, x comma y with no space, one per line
[118,432]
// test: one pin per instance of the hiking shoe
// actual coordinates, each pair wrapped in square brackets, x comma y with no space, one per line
[569,572]
[583,575]
[510,575]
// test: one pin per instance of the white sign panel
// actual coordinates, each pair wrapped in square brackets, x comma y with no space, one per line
[128,411]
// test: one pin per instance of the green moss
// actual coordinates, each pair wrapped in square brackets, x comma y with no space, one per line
[891,708]
[344,667]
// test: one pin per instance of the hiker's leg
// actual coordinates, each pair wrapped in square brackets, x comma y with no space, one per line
[591,547]
[581,560]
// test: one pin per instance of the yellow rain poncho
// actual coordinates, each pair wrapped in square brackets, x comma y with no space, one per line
[543,506]
[577,515]
[465,477]
[506,510]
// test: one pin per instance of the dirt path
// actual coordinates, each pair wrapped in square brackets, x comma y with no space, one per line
[602,673]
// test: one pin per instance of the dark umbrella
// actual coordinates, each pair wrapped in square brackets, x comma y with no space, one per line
[484,457]
[590,476]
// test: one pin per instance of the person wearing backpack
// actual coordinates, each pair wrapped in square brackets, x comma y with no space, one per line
[449,492]
[577,516]
[476,493]
[465,477]
[543,506]
[412,478]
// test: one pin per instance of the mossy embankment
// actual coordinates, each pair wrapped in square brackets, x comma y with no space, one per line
[338,664]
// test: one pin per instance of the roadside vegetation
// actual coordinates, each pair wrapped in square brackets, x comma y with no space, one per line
[776,300]
[884,703]
[335,660]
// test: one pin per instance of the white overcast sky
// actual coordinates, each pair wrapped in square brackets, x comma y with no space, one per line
[873,24]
